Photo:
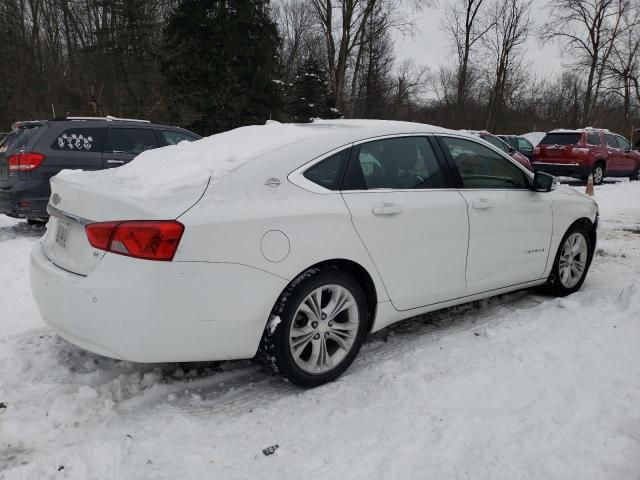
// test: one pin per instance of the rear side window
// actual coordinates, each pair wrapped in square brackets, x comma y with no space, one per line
[80,140]
[524,144]
[561,139]
[131,140]
[396,163]
[593,139]
[171,137]
[328,172]
[496,142]
[481,167]
[18,138]
[611,141]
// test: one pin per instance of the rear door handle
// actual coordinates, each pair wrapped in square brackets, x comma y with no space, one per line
[482,204]
[119,162]
[387,209]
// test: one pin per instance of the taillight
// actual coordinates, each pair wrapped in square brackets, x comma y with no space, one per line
[146,239]
[25,161]
[536,150]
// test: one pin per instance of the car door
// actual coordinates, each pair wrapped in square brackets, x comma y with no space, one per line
[125,143]
[510,226]
[615,161]
[629,158]
[412,223]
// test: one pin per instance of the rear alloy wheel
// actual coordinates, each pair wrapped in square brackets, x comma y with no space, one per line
[321,327]
[572,262]
[598,174]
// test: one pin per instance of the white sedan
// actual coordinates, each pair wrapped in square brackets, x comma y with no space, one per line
[295,241]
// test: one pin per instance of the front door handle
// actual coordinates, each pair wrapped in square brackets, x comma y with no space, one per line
[119,162]
[387,209]
[482,204]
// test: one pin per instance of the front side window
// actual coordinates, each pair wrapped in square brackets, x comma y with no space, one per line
[623,143]
[328,172]
[593,139]
[80,140]
[611,141]
[171,137]
[132,140]
[395,163]
[481,167]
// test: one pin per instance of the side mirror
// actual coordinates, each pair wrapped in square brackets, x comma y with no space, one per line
[543,182]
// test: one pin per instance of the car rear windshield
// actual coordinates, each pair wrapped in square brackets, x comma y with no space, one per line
[18,138]
[561,139]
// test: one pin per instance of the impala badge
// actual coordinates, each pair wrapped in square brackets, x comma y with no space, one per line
[272,182]
[55,199]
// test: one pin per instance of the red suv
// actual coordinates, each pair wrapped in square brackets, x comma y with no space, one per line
[577,153]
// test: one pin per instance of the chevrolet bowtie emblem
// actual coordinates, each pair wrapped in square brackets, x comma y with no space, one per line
[55,199]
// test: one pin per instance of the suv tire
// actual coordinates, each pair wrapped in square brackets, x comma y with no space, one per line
[598,173]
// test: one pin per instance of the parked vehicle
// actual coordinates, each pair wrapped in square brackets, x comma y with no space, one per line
[295,241]
[578,153]
[502,145]
[34,151]
[521,144]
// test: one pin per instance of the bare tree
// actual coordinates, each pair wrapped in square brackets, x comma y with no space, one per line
[465,24]
[510,25]
[590,29]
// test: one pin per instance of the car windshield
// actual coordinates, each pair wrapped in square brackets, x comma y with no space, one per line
[561,139]
[18,138]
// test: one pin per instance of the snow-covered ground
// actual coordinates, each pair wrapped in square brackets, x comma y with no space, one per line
[518,387]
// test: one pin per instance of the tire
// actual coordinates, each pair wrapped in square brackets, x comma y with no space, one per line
[562,281]
[598,173]
[33,221]
[326,344]
[635,176]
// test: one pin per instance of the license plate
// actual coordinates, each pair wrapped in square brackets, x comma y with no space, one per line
[62,234]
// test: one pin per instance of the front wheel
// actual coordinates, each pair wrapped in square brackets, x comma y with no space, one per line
[317,328]
[572,262]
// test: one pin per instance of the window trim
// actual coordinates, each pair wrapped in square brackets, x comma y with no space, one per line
[456,173]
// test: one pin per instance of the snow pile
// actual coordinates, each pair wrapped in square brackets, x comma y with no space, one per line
[534,137]
[187,164]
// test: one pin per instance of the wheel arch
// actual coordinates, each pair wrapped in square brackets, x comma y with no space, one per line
[359,273]
[591,228]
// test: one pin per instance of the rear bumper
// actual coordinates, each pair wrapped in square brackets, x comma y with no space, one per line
[25,200]
[145,311]
[562,169]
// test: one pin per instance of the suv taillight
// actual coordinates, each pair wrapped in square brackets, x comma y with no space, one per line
[25,162]
[146,239]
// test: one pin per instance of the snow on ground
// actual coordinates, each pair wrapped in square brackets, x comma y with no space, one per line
[517,387]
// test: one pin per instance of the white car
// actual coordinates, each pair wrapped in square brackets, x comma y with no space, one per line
[295,241]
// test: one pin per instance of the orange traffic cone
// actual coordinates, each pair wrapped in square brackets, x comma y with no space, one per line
[590,185]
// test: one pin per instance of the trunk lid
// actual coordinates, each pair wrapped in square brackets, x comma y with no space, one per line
[74,203]
[558,146]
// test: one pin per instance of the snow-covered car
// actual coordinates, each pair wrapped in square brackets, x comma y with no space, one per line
[295,241]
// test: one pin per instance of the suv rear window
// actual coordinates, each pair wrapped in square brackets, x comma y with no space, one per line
[561,139]
[18,138]
[80,140]
[593,139]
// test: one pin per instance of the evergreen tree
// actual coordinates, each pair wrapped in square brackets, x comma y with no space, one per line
[309,95]
[221,59]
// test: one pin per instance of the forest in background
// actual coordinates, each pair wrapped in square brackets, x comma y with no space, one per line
[212,65]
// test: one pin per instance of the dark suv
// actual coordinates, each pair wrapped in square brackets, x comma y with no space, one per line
[34,151]
[578,153]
